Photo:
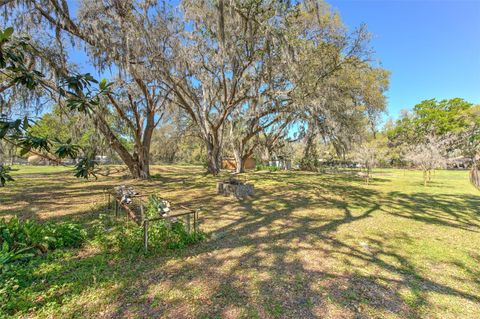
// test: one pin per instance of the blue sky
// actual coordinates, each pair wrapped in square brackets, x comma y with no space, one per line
[431,47]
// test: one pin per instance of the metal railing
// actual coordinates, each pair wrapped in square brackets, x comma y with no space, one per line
[145,222]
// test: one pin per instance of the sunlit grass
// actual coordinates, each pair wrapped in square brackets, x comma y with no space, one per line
[306,245]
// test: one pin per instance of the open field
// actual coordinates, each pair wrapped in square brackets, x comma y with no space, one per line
[305,246]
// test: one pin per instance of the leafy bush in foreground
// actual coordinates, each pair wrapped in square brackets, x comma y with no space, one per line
[22,240]
[20,243]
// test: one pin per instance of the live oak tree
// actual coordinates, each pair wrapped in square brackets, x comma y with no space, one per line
[344,107]
[112,35]
[275,140]
[212,59]
[247,64]
[224,64]
[249,128]
[305,74]
[203,69]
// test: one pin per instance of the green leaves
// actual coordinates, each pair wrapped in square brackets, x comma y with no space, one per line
[80,96]
[85,167]
[104,85]
[27,143]
[6,34]
[29,79]
[79,82]
[9,127]
[441,117]
[75,89]
[432,117]
[12,60]
[22,240]
[78,104]
[66,149]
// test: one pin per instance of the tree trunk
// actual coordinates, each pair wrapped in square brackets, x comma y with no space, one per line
[474,175]
[144,158]
[239,160]
[138,165]
[213,157]
[310,156]
[212,137]
[12,152]
[213,160]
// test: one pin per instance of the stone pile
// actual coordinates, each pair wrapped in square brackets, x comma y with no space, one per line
[234,187]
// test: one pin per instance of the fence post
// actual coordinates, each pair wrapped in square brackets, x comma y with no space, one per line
[195,221]
[188,223]
[116,208]
[142,214]
[145,234]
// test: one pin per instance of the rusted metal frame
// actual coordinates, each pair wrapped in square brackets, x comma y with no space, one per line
[146,222]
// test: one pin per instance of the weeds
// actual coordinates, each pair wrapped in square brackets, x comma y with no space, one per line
[127,237]
[22,244]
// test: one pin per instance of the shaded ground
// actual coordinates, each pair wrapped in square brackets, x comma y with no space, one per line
[305,246]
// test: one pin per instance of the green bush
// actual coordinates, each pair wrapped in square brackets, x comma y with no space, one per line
[127,237]
[20,243]
[162,235]
[13,280]
[22,240]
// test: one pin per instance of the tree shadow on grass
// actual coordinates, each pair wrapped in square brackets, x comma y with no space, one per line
[284,284]
[279,255]
[457,211]
[277,279]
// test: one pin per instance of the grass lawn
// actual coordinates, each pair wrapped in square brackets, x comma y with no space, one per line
[305,246]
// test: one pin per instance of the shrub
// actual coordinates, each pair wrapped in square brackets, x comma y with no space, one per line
[22,240]
[20,243]
[156,207]
[162,235]
[13,281]
[127,237]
